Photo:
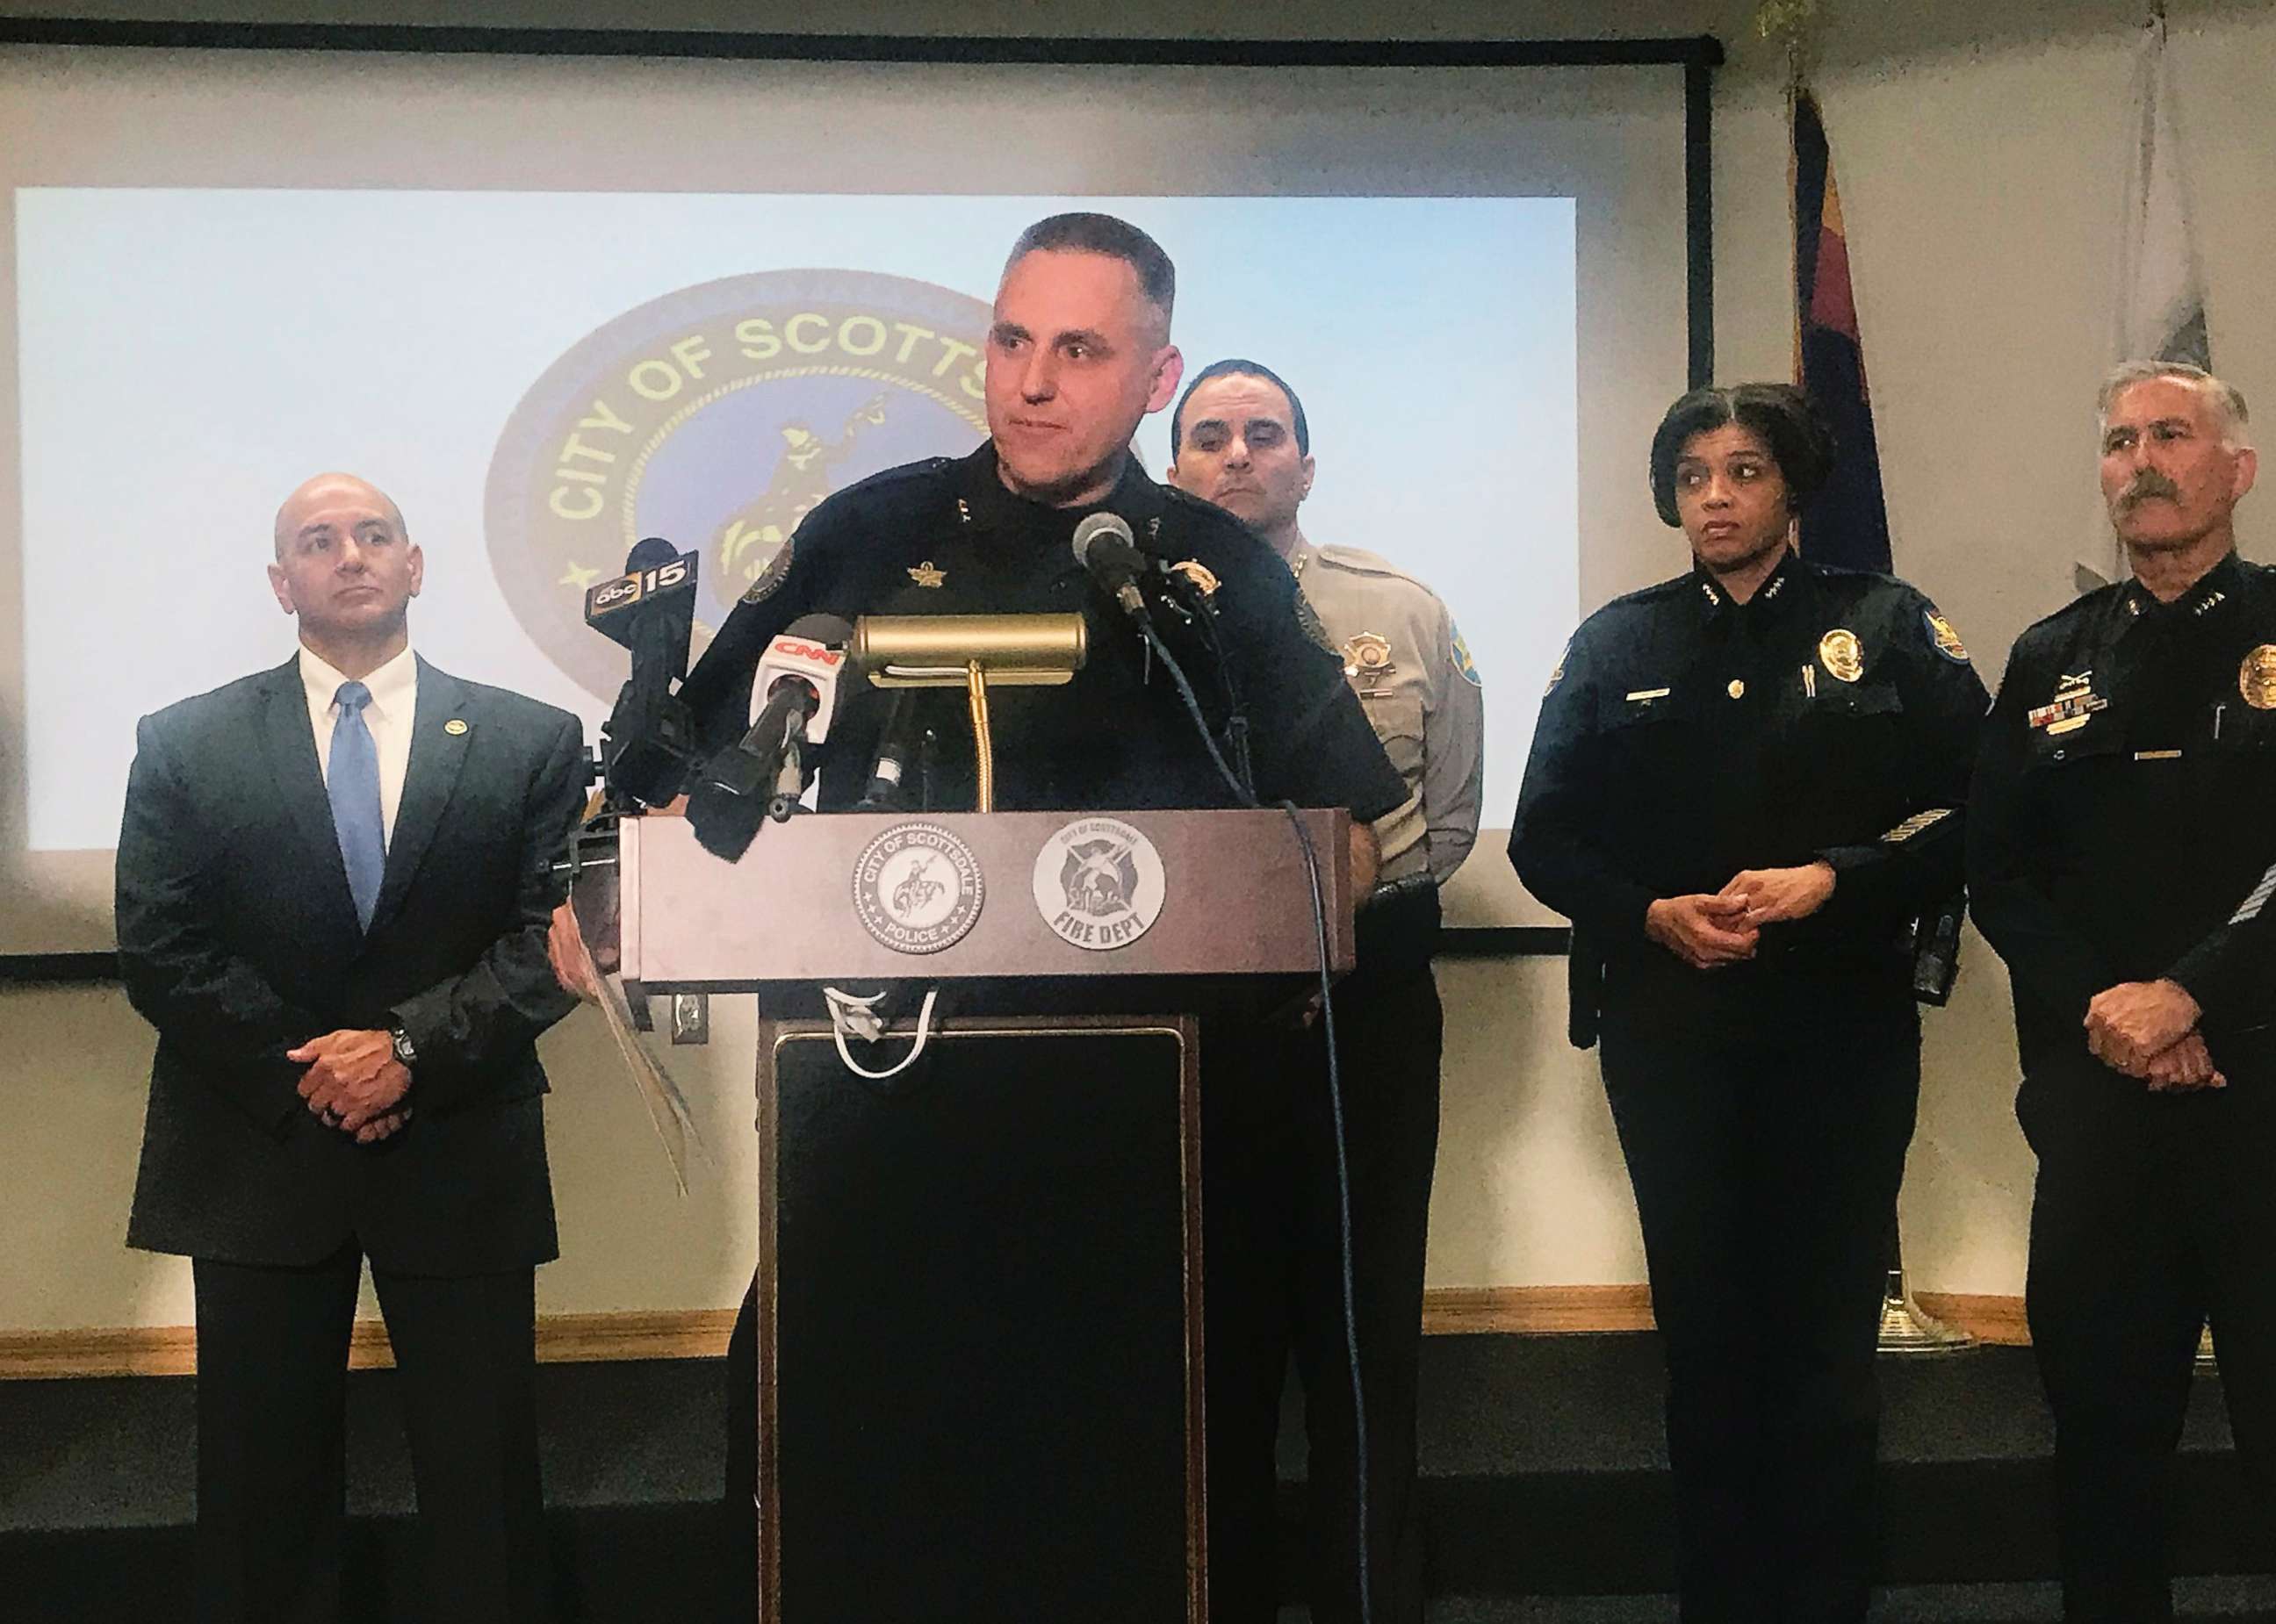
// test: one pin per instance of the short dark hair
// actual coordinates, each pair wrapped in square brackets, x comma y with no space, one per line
[1087,234]
[1234,367]
[1787,420]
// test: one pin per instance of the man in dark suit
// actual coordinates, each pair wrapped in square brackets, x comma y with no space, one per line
[334,885]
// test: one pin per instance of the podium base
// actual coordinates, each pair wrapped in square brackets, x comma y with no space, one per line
[979,1324]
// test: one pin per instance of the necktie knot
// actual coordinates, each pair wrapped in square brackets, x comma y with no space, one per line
[352,697]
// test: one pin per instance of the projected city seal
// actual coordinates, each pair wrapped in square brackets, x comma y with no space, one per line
[1099,884]
[917,887]
[716,417]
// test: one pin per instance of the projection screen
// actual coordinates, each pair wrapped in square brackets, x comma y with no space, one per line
[555,303]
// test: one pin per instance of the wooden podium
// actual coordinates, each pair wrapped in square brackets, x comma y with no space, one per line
[980,1280]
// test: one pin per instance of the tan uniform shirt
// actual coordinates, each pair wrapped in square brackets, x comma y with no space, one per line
[1415,681]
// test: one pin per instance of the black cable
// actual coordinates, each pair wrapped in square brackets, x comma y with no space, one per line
[1186,595]
[1242,793]
[1343,1209]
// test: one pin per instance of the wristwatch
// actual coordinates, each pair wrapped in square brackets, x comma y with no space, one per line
[406,1053]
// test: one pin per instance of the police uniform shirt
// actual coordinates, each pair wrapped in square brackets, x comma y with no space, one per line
[1687,736]
[1415,680]
[945,537]
[2121,828]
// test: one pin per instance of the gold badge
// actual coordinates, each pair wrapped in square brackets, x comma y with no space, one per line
[1200,574]
[454,727]
[1946,640]
[1367,658]
[926,575]
[1840,654]
[2255,678]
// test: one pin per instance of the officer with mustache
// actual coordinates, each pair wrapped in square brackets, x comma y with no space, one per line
[2121,857]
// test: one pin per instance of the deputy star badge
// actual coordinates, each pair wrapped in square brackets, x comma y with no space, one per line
[1842,654]
[1367,657]
[927,574]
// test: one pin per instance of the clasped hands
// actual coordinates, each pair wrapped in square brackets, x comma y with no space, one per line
[2148,1030]
[354,1084]
[1708,931]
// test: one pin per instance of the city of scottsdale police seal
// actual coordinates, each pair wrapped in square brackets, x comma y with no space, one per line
[917,887]
[717,417]
[1099,884]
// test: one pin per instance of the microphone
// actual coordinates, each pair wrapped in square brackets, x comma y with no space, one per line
[898,745]
[764,772]
[1104,546]
[649,737]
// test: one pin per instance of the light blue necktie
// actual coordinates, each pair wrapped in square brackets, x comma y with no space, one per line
[352,784]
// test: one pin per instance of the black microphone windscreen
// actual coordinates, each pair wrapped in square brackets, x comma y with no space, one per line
[825,628]
[649,552]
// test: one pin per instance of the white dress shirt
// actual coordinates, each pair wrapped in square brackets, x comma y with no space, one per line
[394,702]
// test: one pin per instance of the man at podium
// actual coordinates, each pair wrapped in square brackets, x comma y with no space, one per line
[1078,353]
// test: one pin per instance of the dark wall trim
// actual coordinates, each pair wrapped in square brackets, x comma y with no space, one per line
[1700,51]
[1699,216]
[71,967]
[1496,941]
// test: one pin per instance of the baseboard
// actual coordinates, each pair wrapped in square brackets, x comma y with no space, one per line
[699,1334]
[1535,1310]
[171,1350]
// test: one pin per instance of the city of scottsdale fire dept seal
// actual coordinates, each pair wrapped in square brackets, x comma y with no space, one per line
[1099,884]
[917,887]
[715,417]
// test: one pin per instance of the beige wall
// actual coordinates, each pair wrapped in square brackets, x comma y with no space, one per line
[1979,158]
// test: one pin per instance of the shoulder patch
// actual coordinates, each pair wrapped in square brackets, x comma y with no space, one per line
[1468,668]
[1555,676]
[772,574]
[1946,640]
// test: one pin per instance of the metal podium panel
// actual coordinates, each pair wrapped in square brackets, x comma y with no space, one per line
[980,1345]
[1233,900]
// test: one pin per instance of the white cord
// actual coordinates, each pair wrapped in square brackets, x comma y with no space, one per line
[847,1012]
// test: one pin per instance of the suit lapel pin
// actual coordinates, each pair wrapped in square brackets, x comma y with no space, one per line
[454,727]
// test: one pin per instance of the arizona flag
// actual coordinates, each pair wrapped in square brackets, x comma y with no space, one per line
[2161,297]
[1848,525]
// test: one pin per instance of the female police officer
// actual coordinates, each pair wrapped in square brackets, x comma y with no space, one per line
[1745,784]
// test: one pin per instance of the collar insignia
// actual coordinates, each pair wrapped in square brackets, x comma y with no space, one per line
[925,574]
[455,727]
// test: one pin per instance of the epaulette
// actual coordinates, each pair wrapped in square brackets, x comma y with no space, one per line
[1359,561]
[901,473]
[1200,506]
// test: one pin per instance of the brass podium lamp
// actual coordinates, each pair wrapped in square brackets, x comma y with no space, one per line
[971,652]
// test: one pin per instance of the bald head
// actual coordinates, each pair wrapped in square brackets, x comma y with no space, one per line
[334,494]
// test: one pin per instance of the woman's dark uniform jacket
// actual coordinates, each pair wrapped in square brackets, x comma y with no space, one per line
[945,537]
[1686,737]
[238,941]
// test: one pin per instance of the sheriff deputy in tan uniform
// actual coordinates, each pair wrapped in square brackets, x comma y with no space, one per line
[1239,439]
